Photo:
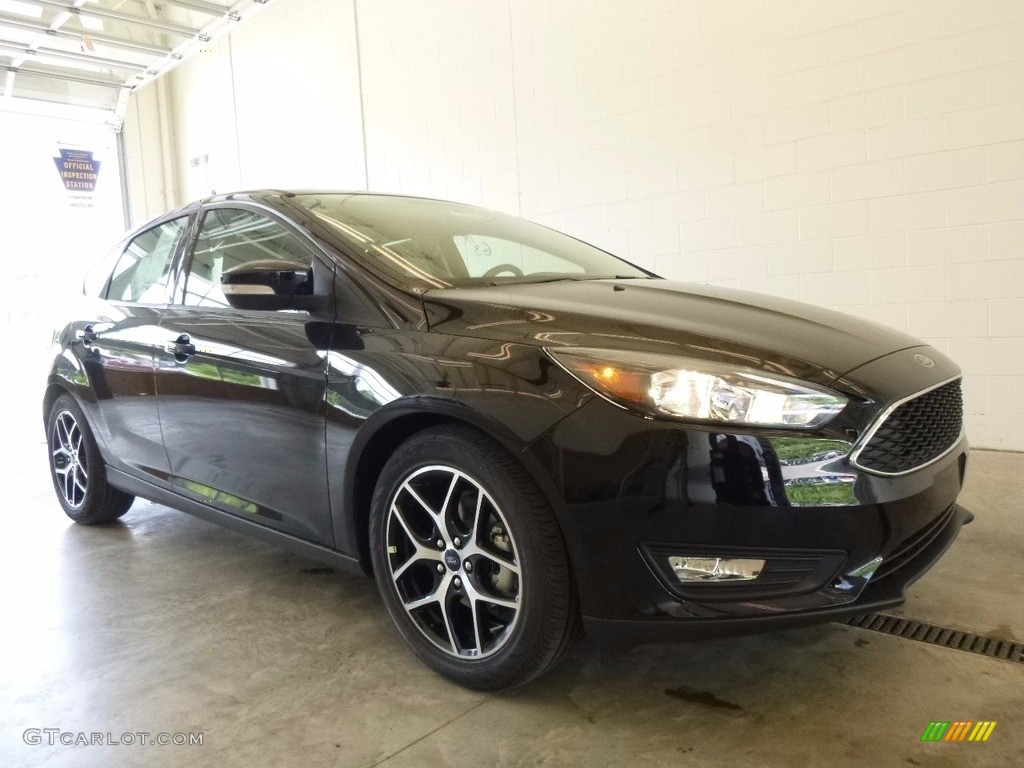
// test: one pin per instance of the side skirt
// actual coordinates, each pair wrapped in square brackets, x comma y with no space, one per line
[135,486]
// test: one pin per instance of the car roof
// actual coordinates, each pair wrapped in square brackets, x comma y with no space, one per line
[263,195]
[274,197]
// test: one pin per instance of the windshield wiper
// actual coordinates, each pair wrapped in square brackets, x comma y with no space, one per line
[527,280]
[553,280]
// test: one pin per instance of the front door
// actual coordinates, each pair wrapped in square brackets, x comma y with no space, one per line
[241,394]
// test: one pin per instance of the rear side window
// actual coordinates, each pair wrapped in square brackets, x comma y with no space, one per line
[98,276]
[142,272]
[228,238]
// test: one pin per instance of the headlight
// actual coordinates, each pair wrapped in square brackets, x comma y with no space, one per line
[687,388]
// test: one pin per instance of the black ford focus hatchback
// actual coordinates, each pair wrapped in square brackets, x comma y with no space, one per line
[520,436]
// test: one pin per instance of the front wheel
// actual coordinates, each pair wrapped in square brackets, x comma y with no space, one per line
[470,561]
[77,469]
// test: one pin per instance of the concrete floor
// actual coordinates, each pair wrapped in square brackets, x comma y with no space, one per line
[167,623]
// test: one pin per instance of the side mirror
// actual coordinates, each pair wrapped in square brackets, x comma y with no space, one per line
[270,284]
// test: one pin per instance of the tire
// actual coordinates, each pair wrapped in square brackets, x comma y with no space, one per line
[77,469]
[470,561]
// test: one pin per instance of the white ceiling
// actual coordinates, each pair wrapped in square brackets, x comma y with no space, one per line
[92,53]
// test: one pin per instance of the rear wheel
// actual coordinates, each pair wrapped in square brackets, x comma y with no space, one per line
[77,469]
[470,561]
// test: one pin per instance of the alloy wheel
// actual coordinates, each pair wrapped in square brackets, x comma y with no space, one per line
[454,562]
[70,462]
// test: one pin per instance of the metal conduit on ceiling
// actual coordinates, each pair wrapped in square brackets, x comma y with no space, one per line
[93,53]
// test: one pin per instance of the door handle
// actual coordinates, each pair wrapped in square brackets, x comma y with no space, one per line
[182,346]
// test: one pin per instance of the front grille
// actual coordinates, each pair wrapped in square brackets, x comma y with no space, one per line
[911,547]
[918,431]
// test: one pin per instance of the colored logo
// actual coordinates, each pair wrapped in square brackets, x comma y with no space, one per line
[78,170]
[958,730]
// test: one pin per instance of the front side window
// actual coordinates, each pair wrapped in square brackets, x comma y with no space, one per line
[142,272]
[228,238]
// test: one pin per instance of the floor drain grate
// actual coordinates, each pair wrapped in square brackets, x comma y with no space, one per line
[936,635]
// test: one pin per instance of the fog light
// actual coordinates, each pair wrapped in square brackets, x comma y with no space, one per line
[715,568]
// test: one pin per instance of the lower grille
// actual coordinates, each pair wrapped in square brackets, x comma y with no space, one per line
[913,546]
[915,433]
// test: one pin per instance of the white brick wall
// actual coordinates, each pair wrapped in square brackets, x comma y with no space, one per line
[861,154]
[254,105]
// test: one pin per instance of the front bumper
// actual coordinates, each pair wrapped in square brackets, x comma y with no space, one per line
[837,541]
[877,595]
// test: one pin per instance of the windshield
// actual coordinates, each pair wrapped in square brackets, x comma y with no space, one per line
[433,244]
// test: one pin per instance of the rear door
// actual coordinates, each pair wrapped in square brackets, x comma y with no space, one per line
[116,348]
[241,393]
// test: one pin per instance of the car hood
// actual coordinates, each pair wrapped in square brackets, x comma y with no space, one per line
[719,324]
